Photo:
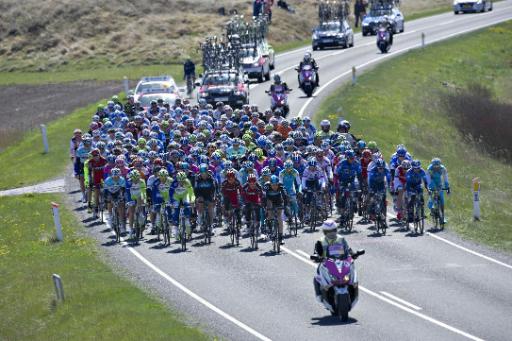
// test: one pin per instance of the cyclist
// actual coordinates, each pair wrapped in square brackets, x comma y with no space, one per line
[159,186]
[96,166]
[275,198]
[252,195]
[346,173]
[205,189]
[438,177]
[377,180]
[231,192]
[292,184]
[313,180]
[81,156]
[414,179]
[114,189]
[135,195]
[182,194]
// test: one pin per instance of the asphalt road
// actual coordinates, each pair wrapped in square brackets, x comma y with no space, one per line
[431,287]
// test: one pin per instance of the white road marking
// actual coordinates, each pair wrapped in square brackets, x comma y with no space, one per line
[190,292]
[404,302]
[303,253]
[398,305]
[490,259]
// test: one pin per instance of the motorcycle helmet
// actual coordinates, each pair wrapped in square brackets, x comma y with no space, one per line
[277,79]
[307,56]
[329,229]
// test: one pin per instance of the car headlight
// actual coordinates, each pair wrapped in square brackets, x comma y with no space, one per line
[239,93]
[340,35]
[204,94]
[256,64]
[366,23]
[314,37]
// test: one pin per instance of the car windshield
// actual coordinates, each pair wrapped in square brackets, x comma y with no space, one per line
[153,86]
[329,27]
[248,53]
[379,12]
[145,100]
[221,79]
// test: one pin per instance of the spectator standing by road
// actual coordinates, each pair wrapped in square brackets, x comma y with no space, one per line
[359,11]
[257,7]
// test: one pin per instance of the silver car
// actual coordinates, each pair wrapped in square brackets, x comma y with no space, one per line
[332,34]
[371,21]
[465,6]
[255,62]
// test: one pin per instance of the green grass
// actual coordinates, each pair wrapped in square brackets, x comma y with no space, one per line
[99,304]
[25,163]
[408,110]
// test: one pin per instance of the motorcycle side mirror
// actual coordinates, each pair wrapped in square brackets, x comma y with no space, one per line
[360,252]
[315,258]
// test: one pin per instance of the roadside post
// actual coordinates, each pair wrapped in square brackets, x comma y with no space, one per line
[45,138]
[59,289]
[422,39]
[476,199]
[354,75]
[126,85]
[56,221]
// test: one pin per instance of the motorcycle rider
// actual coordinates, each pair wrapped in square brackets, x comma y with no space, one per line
[330,245]
[385,25]
[309,60]
[278,82]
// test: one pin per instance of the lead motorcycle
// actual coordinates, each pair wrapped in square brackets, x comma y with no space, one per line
[385,38]
[307,79]
[279,99]
[338,282]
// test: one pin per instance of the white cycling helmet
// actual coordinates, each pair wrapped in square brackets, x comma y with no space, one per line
[329,226]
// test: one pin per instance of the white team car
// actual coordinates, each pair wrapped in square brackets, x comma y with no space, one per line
[153,84]
[471,6]
[154,95]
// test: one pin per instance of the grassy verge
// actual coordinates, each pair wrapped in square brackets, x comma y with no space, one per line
[25,163]
[410,110]
[99,305]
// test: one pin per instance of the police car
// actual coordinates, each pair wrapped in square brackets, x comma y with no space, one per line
[154,94]
[149,84]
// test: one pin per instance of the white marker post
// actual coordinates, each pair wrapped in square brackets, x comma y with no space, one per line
[476,199]
[126,85]
[56,220]
[422,39]
[59,289]
[45,138]
[354,75]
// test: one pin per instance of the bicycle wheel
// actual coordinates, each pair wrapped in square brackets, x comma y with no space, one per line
[422,218]
[136,226]
[237,231]
[232,228]
[183,232]
[115,225]
[441,215]
[167,233]
[313,217]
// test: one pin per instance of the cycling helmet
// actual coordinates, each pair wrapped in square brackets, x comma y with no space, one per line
[406,164]
[401,151]
[307,119]
[134,175]
[350,154]
[274,179]
[203,168]
[416,164]
[379,163]
[266,171]
[372,145]
[115,171]
[100,145]
[344,124]
[288,164]
[367,153]
[230,173]
[296,157]
[252,178]
[436,162]
[111,158]
[325,123]
[181,176]
[185,165]
[228,164]
[312,162]
[163,172]
[272,162]
[361,144]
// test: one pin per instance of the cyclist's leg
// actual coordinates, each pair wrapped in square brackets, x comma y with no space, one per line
[199,210]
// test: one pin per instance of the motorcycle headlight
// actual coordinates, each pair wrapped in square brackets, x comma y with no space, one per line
[346,278]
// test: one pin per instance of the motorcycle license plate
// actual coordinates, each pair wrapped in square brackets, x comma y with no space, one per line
[221,99]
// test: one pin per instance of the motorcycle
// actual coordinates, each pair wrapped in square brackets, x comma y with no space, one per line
[384,40]
[337,279]
[307,79]
[279,99]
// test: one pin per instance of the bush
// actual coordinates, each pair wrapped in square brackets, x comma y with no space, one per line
[483,119]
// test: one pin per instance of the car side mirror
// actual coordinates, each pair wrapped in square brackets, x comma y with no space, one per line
[265,56]
[200,75]
[197,83]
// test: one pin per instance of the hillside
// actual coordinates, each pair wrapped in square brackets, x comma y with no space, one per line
[46,35]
